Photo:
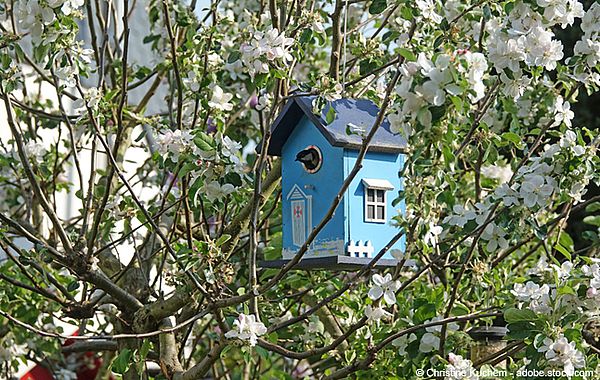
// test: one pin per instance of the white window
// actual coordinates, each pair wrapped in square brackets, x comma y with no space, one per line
[376,199]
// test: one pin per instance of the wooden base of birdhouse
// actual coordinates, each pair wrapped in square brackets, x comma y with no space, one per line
[341,263]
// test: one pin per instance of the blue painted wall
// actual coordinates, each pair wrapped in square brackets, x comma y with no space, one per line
[375,166]
[322,185]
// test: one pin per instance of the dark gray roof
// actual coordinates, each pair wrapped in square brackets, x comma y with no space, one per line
[359,113]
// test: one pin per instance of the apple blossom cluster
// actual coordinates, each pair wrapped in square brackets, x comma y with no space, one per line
[526,37]
[247,328]
[313,331]
[427,83]
[264,48]
[383,286]
[459,368]
[593,291]
[9,350]
[38,16]
[546,175]
[430,341]
[210,158]
[561,297]
[427,9]
[494,234]
[536,297]
[589,45]
[535,184]
[65,374]
[562,354]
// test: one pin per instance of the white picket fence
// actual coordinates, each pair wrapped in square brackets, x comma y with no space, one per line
[360,249]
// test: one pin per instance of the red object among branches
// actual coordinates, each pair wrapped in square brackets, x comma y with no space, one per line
[88,363]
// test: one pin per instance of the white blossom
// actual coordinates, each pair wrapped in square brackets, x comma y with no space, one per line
[214,190]
[65,374]
[541,49]
[561,12]
[432,235]
[35,151]
[402,343]
[515,87]
[461,215]
[264,101]
[562,353]
[502,173]
[33,16]
[495,237]
[563,113]
[375,314]
[477,68]
[564,270]
[429,342]
[174,142]
[590,48]
[434,90]
[508,195]
[384,286]
[220,100]
[263,48]
[569,141]
[428,10]
[246,327]
[537,298]
[460,369]
[526,292]
[505,52]
[536,189]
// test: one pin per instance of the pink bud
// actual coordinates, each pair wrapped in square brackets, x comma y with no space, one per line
[253,101]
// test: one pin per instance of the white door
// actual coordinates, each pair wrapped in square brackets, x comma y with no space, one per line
[298,221]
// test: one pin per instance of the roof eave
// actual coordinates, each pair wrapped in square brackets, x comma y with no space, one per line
[373,148]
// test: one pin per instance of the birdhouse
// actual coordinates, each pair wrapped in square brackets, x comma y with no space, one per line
[317,157]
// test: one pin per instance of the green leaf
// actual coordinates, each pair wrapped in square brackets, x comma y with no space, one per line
[122,362]
[330,116]
[204,142]
[513,137]
[487,12]
[514,315]
[508,7]
[73,286]
[151,38]
[406,13]
[521,330]
[448,154]
[425,312]
[222,240]
[594,220]
[233,56]
[407,54]
[566,290]
[366,66]
[593,207]
[141,136]
[377,6]
[563,250]
[460,309]
[145,349]
[306,36]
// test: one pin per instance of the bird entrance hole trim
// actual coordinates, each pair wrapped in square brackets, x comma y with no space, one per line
[311,158]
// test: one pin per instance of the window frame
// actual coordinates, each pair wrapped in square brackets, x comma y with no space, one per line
[375,203]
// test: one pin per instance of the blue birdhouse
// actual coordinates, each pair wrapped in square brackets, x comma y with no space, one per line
[316,159]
